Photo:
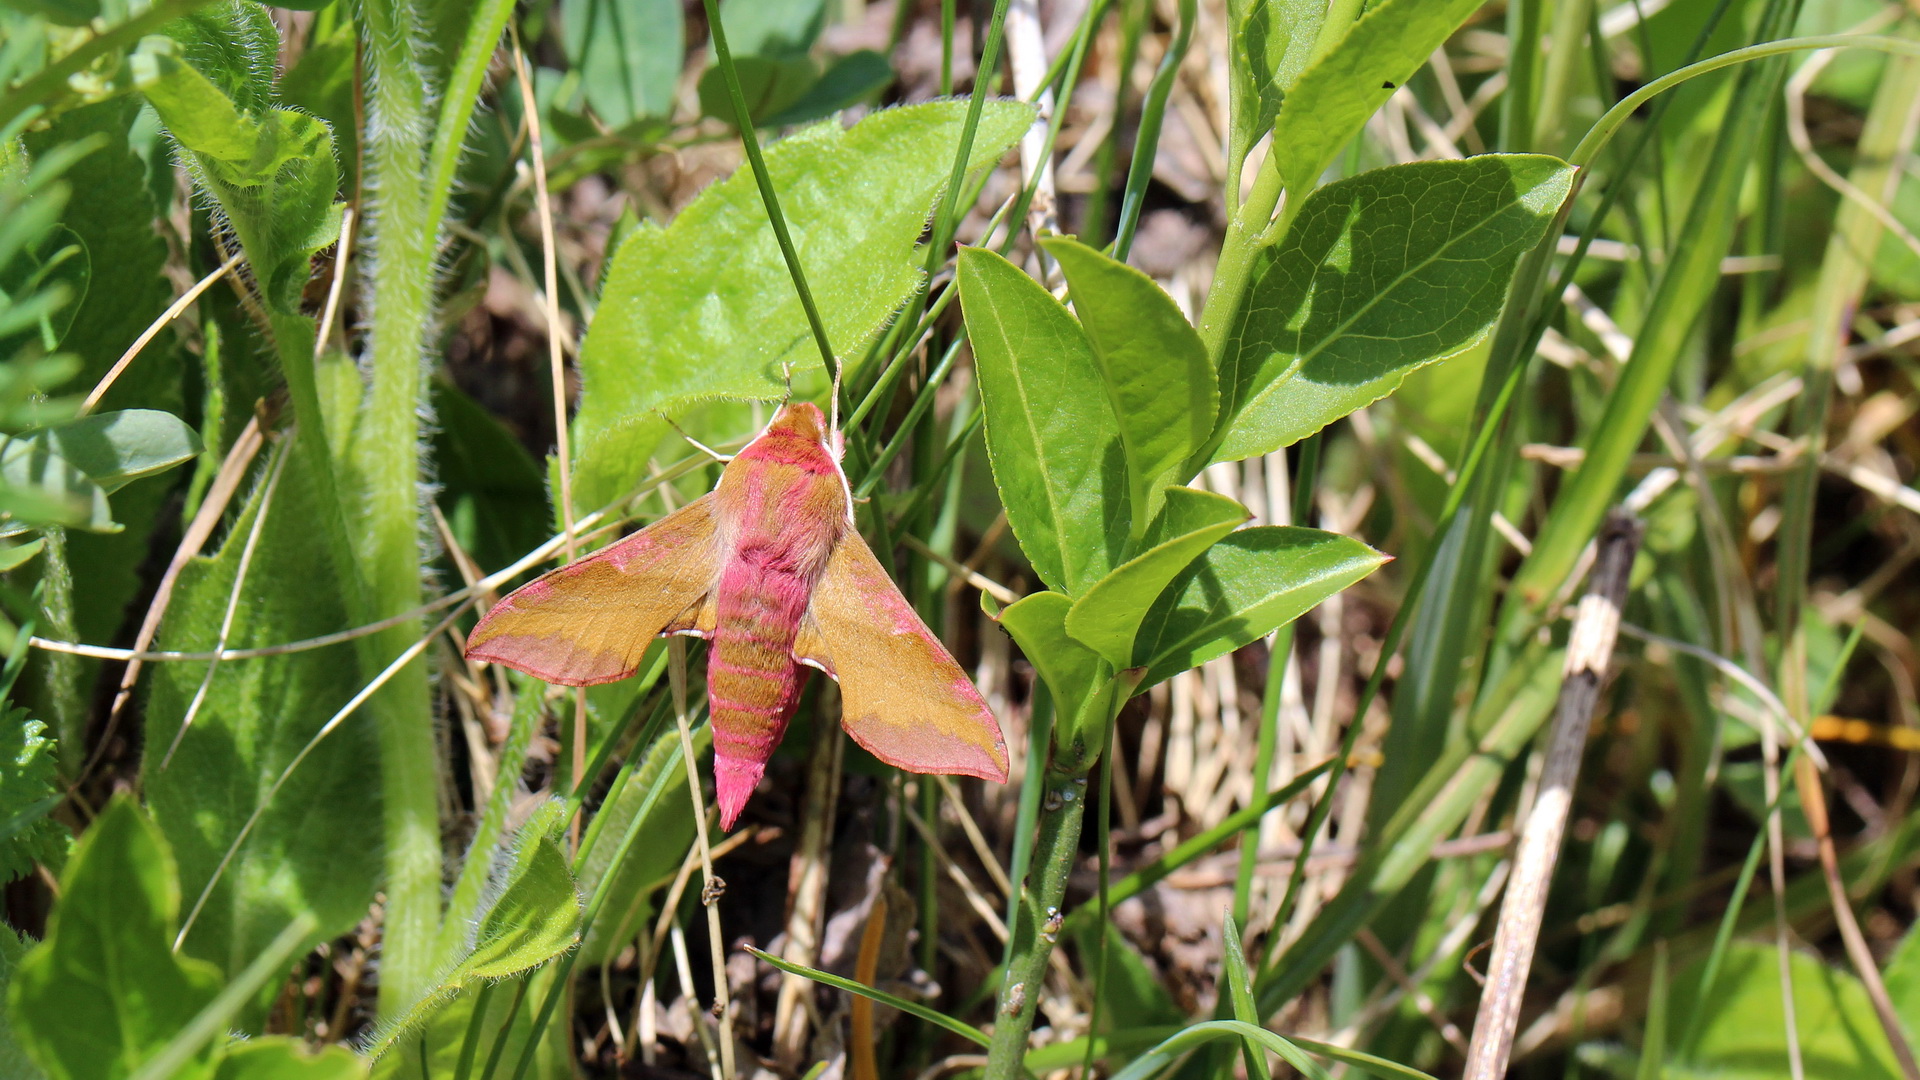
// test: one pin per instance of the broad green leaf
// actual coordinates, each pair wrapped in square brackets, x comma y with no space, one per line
[1240,988]
[1272,39]
[1107,616]
[1332,98]
[853,78]
[1051,435]
[1070,669]
[280,1057]
[308,853]
[770,85]
[1244,588]
[62,12]
[14,1061]
[105,990]
[1742,1028]
[628,55]
[1380,274]
[1131,994]
[705,309]
[536,916]
[27,795]
[39,487]
[234,43]
[1154,367]
[656,792]
[774,28]
[116,448]
[197,112]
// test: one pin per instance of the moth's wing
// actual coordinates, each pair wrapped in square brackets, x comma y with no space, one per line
[590,621]
[902,695]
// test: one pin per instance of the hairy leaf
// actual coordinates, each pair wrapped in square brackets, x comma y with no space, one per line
[27,794]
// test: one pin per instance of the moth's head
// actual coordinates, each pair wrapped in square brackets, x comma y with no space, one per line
[803,419]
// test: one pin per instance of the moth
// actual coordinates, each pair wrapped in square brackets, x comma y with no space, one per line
[769,569]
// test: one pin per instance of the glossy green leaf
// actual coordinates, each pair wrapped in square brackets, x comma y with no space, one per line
[280,1057]
[308,853]
[1108,615]
[1070,669]
[1334,96]
[116,448]
[1742,1028]
[28,793]
[105,991]
[1240,990]
[656,792]
[1154,367]
[628,55]
[1272,39]
[705,308]
[39,487]
[1052,438]
[1244,588]
[1380,274]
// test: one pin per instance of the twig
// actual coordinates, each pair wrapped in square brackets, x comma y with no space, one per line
[1589,650]
[173,312]
[712,888]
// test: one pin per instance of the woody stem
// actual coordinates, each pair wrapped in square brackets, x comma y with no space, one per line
[1038,918]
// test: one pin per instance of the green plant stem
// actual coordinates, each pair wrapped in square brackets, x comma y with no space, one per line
[400,275]
[1038,919]
[1147,141]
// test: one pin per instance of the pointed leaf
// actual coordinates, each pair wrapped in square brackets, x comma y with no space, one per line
[1240,987]
[705,308]
[39,487]
[105,990]
[1276,37]
[27,796]
[1051,435]
[1106,618]
[1154,367]
[1335,95]
[657,793]
[1380,274]
[537,914]
[1244,588]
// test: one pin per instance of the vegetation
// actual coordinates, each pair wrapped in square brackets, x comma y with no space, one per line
[1426,487]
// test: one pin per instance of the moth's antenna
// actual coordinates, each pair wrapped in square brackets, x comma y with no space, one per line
[703,447]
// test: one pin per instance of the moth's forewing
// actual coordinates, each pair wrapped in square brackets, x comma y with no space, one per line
[591,621]
[903,697]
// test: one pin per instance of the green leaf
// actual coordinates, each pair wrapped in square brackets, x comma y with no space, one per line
[656,792]
[105,990]
[775,28]
[1334,95]
[61,12]
[770,85]
[628,55]
[308,853]
[1131,995]
[704,308]
[1038,624]
[1185,1041]
[116,448]
[39,487]
[14,556]
[491,491]
[1108,615]
[1380,274]
[1244,588]
[272,169]
[848,81]
[1154,367]
[536,916]
[1742,1029]
[280,1057]
[1052,438]
[1240,988]
[14,1062]
[28,793]
[1273,39]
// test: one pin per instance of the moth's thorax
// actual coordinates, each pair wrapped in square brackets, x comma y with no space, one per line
[782,501]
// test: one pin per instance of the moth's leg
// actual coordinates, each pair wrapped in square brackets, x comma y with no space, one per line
[697,444]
